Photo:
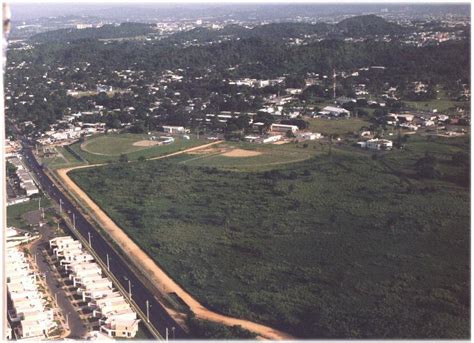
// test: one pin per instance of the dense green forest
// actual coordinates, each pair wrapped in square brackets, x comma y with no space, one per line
[352,27]
[105,32]
[258,57]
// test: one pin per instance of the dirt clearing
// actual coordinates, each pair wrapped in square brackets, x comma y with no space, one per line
[146,143]
[241,153]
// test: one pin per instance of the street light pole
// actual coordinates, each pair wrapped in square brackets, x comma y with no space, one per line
[172,329]
[147,311]
[129,289]
[90,242]
[60,205]
[39,204]
[74,220]
[108,266]
[166,335]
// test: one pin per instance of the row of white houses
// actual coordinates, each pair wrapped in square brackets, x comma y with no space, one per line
[116,317]
[28,308]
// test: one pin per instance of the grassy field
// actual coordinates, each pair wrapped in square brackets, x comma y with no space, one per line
[15,212]
[63,159]
[347,244]
[270,155]
[337,127]
[105,148]
[442,103]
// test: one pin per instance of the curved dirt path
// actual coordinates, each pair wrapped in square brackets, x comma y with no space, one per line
[156,274]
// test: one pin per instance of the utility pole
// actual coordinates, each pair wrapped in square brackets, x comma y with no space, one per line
[130,289]
[166,337]
[108,266]
[60,205]
[74,220]
[172,330]
[147,311]
[88,234]
[334,84]
[39,204]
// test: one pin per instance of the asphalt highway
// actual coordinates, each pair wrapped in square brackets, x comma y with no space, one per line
[122,271]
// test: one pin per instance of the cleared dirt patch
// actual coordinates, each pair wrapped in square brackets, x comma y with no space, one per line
[208,151]
[146,143]
[241,153]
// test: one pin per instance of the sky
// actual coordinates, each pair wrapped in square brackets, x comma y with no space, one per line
[26,11]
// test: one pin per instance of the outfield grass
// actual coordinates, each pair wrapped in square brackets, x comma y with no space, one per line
[337,127]
[349,244]
[271,155]
[114,144]
[106,148]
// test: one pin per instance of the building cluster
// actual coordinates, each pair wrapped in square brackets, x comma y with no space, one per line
[423,38]
[26,181]
[15,237]
[11,147]
[414,121]
[70,129]
[29,315]
[114,313]
[279,132]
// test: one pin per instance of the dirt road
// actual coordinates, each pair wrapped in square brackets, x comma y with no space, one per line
[155,273]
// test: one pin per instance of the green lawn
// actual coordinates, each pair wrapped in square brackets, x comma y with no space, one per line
[337,127]
[442,103]
[107,148]
[113,144]
[347,245]
[15,212]
[62,160]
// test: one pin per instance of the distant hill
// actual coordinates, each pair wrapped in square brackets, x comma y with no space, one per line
[123,30]
[355,26]
[351,27]
[368,25]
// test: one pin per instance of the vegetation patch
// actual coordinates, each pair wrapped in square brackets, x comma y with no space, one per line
[339,127]
[339,245]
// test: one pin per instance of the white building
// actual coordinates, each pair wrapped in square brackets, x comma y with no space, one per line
[308,136]
[283,128]
[376,144]
[335,111]
[175,129]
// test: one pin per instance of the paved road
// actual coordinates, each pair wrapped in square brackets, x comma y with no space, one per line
[158,315]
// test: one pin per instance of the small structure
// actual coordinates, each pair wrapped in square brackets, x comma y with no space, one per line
[283,128]
[271,139]
[376,144]
[175,129]
[335,111]
[308,136]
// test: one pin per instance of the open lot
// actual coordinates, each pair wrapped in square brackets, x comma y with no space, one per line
[343,245]
[16,213]
[442,103]
[337,126]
